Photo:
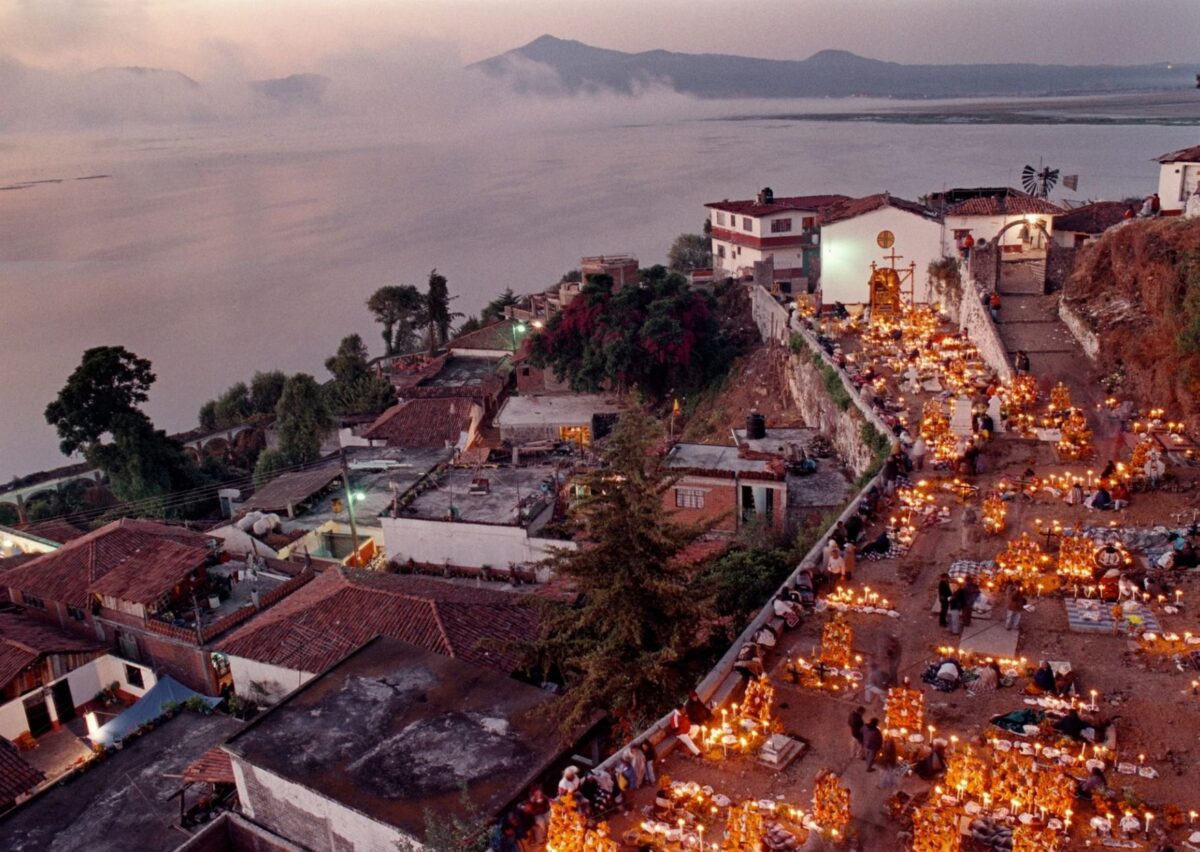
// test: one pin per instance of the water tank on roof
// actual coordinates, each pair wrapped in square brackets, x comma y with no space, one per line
[249,520]
[756,426]
[263,526]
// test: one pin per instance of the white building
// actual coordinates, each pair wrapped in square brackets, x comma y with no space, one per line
[862,231]
[783,229]
[1178,177]
[1016,218]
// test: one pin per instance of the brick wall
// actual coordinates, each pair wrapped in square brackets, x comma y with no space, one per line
[982,268]
[720,501]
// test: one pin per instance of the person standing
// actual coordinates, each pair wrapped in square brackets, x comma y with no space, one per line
[944,591]
[955,610]
[1021,362]
[971,594]
[994,306]
[849,560]
[680,727]
[856,732]
[917,453]
[872,740]
[1016,604]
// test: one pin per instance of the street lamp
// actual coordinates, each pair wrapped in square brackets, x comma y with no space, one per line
[517,327]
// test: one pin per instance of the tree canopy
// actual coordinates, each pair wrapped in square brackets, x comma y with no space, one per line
[437,311]
[356,388]
[402,310]
[658,336]
[302,419]
[690,251]
[494,309]
[624,643]
[265,390]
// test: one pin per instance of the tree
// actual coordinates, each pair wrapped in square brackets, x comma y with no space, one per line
[270,463]
[208,415]
[233,406]
[624,643]
[437,311]
[690,251]
[109,383]
[494,309]
[471,323]
[265,389]
[400,309]
[355,389]
[657,337]
[302,419]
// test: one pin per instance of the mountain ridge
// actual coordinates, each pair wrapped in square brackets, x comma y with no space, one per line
[580,67]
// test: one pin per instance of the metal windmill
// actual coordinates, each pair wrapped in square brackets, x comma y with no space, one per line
[1039,181]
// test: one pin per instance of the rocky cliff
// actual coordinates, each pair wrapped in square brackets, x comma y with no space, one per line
[1133,298]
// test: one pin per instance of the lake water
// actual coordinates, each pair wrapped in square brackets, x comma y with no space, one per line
[219,251]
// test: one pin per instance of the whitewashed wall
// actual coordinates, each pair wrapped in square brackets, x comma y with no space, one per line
[465,544]
[848,247]
[275,681]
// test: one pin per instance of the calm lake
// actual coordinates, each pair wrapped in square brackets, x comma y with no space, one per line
[217,251]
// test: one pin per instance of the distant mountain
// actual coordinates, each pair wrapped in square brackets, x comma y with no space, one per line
[164,76]
[572,67]
[294,90]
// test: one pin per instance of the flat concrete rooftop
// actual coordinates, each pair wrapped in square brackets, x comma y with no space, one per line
[716,457]
[460,371]
[565,409]
[778,440]
[378,473]
[531,487]
[396,732]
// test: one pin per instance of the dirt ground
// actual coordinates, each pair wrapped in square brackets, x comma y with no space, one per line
[756,382]
[1152,698]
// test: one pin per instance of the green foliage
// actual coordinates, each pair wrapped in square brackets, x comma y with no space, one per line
[99,401]
[1187,339]
[797,343]
[270,463]
[471,323]
[494,310]
[657,337]
[690,251]
[233,406]
[302,419]
[833,384]
[401,310]
[265,390]
[624,643]
[108,385]
[355,388]
[9,514]
[453,833]
[743,579]
[437,311]
[208,415]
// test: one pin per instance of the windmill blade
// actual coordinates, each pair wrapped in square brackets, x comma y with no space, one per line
[1029,179]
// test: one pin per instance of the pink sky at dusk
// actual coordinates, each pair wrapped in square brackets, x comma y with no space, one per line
[207,38]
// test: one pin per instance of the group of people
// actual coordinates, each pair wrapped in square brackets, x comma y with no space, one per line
[955,605]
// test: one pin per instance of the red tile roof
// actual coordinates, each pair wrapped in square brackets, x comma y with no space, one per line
[1183,155]
[1092,218]
[498,337]
[16,776]
[318,625]
[853,207]
[1013,204]
[214,766]
[432,422]
[751,207]
[24,641]
[146,555]
[59,531]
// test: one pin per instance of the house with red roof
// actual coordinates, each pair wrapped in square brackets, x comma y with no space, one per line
[1020,222]
[1080,224]
[343,608]
[427,423]
[1178,179]
[880,229]
[781,231]
[155,593]
[18,780]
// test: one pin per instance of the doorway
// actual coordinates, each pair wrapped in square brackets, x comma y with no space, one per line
[64,704]
[37,714]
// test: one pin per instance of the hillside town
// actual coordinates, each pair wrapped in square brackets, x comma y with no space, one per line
[858,526]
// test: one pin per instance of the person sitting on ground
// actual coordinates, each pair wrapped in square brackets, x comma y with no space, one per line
[787,609]
[569,782]
[1101,500]
[1095,782]
[881,546]
[664,804]
[749,661]
[988,679]
[949,674]
[1043,677]
[1185,554]
[1120,495]
[1075,495]
[765,637]
[933,764]
[869,503]
[854,528]
[835,564]
[1071,725]
[697,711]
[807,464]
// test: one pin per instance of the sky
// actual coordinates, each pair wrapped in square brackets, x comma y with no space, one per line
[249,38]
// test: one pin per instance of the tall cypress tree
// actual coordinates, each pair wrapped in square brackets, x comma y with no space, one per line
[637,614]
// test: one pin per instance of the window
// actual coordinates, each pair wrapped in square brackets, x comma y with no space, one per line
[808,222]
[781,226]
[75,613]
[748,224]
[689,498]
[33,601]
[133,676]
[720,218]
[720,251]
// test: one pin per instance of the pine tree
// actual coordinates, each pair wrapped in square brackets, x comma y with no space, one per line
[637,614]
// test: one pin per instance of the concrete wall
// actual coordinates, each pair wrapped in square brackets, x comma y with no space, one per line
[301,814]
[255,680]
[771,317]
[848,248]
[1079,329]
[975,319]
[465,544]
